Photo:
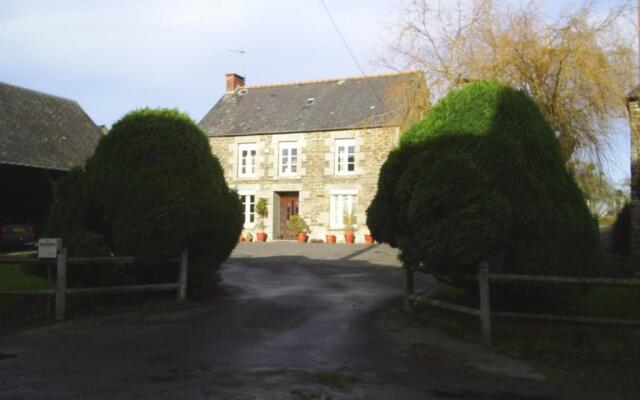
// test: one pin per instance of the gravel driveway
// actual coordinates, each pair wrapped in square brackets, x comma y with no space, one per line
[306,321]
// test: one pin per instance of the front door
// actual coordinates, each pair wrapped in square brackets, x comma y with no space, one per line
[288,207]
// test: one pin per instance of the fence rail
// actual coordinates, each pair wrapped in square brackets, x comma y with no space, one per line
[61,290]
[484,277]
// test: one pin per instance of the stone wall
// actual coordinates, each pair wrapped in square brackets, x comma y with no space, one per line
[315,179]
[634,111]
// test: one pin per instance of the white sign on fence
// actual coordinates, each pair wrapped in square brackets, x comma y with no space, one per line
[48,248]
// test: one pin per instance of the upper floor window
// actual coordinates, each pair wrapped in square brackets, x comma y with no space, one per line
[345,156]
[246,159]
[288,158]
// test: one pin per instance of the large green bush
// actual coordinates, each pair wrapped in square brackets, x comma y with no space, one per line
[482,178]
[151,189]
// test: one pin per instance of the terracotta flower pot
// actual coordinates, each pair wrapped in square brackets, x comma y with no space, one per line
[331,239]
[261,237]
[302,237]
[368,239]
[349,237]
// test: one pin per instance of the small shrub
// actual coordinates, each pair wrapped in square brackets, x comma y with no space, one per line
[297,224]
[262,212]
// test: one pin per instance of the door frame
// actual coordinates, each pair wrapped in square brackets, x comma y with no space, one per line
[277,196]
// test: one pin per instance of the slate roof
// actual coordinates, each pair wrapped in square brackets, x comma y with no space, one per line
[334,104]
[43,131]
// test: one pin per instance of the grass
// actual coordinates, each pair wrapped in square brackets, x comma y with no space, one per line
[600,302]
[605,356]
[609,303]
[12,278]
[335,380]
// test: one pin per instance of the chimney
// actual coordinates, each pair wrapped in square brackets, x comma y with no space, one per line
[234,81]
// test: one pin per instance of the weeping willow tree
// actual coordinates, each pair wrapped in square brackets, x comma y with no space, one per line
[577,67]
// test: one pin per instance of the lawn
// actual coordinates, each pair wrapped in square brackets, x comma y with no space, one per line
[12,278]
[589,355]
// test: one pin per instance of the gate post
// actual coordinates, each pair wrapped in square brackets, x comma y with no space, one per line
[408,289]
[182,276]
[485,308]
[61,283]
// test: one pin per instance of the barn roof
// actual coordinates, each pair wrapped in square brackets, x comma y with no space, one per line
[43,131]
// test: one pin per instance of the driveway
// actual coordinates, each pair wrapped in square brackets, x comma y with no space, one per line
[300,321]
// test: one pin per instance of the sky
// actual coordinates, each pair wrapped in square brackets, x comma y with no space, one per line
[117,55]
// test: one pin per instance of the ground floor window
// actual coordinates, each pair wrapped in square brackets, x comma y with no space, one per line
[342,203]
[248,209]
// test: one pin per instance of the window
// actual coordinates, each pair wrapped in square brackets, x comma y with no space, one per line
[246,159]
[248,209]
[345,156]
[288,159]
[342,203]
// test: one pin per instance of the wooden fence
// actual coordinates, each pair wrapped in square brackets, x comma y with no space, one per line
[61,290]
[485,314]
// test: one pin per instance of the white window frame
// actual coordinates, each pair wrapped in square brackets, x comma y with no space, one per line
[337,206]
[245,199]
[289,162]
[250,160]
[341,157]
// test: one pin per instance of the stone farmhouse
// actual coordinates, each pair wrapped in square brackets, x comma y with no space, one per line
[311,148]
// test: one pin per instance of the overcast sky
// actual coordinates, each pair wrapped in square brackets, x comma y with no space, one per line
[114,56]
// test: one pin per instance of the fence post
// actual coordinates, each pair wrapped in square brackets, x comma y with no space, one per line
[408,289]
[61,283]
[485,307]
[182,276]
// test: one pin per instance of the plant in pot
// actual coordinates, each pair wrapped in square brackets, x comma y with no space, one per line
[331,239]
[349,221]
[261,211]
[299,226]
[368,238]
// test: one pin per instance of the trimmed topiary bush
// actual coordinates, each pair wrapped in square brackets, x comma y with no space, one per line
[151,189]
[482,178]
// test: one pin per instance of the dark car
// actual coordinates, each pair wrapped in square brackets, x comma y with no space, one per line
[16,235]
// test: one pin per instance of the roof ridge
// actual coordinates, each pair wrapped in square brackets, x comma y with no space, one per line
[305,82]
[39,92]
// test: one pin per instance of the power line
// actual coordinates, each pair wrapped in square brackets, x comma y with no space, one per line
[353,56]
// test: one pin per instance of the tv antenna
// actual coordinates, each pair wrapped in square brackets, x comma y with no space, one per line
[242,52]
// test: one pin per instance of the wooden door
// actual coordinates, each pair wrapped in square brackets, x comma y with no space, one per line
[288,207]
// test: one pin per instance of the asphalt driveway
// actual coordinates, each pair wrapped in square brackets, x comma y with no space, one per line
[306,321]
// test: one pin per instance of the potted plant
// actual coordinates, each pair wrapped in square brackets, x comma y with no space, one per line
[368,238]
[261,211]
[299,226]
[331,239]
[249,237]
[349,221]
